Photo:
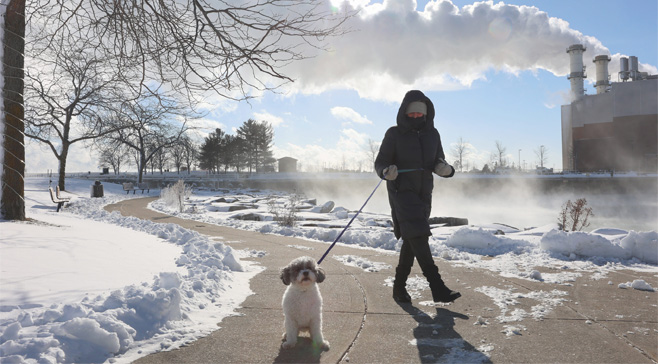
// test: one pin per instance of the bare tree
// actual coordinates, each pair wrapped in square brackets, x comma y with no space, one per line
[500,154]
[190,152]
[195,46]
[177,154]
[371,150]
[542,155]
[159,158]
[183,153]
[68,93]
[149,125]
[190,46]
[112,154]
[460,151]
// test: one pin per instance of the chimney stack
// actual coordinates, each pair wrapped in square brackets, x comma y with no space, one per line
[577,74]
[602,78]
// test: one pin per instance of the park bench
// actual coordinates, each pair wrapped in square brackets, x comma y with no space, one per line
[129,186]
[56,198]
[143,186]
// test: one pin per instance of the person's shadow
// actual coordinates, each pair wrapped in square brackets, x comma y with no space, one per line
[436,339]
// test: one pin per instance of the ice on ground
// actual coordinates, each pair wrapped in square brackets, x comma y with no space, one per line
[359,262]
[638,284]
[505,299]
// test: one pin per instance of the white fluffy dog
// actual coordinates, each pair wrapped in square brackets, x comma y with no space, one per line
[302,302]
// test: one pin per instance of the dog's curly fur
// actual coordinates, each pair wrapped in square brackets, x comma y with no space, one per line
[302,302]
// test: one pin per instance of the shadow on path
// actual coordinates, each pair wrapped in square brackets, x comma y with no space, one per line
[303,352]
[437,340]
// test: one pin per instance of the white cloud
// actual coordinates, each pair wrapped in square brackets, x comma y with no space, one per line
[393,47]
[40,159]
[275,121]
[348,114]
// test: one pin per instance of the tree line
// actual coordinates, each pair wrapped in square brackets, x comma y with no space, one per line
[249,150]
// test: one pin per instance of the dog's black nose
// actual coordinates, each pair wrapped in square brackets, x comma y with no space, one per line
[305,273]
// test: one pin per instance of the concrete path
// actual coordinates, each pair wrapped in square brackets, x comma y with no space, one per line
[597,323]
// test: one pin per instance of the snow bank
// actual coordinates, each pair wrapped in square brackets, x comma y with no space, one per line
[642,246]
[485,242]
[465,243]
[170,311]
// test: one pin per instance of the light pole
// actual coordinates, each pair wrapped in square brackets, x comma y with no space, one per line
[519,159]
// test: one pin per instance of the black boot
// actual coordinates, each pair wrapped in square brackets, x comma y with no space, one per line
[400,293]
[440,293]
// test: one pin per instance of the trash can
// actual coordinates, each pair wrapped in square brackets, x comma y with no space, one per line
[97,189]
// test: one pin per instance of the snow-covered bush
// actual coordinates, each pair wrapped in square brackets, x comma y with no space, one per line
[285,213]
[175,195]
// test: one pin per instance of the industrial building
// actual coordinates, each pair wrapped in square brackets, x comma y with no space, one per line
[617,128]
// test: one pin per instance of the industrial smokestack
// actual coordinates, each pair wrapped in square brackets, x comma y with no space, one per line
[624,73]
[577,74]
[602,78]
[635,72]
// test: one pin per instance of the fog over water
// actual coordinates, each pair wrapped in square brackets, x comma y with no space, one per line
[629,203]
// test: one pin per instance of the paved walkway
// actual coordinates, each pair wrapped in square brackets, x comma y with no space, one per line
[598,322]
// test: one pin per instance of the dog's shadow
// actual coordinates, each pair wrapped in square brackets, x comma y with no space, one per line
[437,340]
[303,352]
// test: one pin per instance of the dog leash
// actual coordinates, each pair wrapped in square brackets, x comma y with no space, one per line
[357,214]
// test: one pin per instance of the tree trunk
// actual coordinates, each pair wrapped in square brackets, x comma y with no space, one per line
[12,206]
[142,166]
[61,181]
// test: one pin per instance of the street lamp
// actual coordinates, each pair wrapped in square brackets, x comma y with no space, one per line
[519,159]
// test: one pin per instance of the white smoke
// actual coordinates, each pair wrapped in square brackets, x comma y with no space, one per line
[393,47]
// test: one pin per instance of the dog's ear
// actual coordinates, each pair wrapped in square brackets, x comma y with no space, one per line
[285,276]
[319,275]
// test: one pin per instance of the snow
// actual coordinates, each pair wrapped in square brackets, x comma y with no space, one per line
[85,285]
[638,284]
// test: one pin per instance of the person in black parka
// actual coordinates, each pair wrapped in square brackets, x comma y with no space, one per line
[413,147]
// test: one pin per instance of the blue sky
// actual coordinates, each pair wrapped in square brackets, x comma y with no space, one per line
[502,82]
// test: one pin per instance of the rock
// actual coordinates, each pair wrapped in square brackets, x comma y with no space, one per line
[249,216]
[327,207]
[448,221]
[240,207]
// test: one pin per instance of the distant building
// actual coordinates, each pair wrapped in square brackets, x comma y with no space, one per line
[287,164]
[616,129]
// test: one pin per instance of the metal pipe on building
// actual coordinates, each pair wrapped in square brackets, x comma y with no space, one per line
[624,73]
[635,73]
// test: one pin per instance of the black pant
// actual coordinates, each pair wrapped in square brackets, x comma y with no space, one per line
[418,248]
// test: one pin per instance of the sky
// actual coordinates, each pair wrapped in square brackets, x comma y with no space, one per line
[495,71]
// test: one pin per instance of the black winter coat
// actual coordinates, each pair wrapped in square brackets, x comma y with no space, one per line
[411,147]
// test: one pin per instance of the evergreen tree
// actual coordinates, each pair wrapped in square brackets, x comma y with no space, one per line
[209,158]
[258,138]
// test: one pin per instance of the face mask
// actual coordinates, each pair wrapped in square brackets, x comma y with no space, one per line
[416,123]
